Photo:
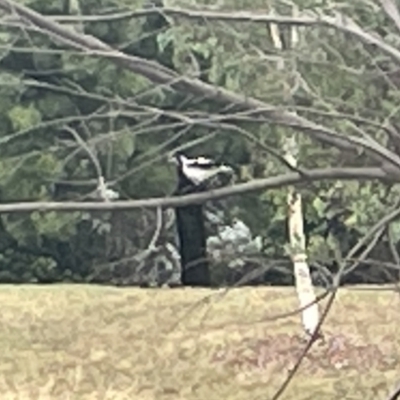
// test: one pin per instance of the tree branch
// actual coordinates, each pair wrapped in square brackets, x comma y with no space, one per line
[168,202]
[241,16]
[308,18]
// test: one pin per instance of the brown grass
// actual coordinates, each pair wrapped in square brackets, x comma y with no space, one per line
[88,342]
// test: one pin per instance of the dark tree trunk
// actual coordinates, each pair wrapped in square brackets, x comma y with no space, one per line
[192,237]
[192,243]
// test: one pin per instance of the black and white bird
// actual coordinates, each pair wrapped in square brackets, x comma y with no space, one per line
[195,175]
[199,171]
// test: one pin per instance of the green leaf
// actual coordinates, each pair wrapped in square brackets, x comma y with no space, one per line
[352,221]
[319,206]
[395,231]
[24,117]
[164,39]
[54,106]
[55,224]
[124,143]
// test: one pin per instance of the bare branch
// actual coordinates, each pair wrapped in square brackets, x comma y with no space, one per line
[87,149]
[308,18]
[391,11]
[167,202]
[241,16]
[156,235]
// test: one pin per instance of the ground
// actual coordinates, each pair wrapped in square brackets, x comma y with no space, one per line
[89,342]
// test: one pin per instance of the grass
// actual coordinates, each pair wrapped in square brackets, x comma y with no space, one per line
[88,342]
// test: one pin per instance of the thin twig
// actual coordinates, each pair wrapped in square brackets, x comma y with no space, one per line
[87,149]
[102,190]
[157,232]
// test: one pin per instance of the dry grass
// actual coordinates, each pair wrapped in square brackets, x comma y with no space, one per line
[87,342]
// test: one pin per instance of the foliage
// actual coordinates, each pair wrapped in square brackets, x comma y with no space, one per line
[51,94]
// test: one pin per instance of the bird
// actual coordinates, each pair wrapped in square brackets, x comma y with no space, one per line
[194,176]
[199,170]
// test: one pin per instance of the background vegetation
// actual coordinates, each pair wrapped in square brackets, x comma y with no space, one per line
[199,76]
[56,103]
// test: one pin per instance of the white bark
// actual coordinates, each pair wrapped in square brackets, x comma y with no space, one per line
[303,282]
[304,286]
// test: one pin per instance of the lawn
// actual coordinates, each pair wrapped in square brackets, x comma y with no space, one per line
[90,342]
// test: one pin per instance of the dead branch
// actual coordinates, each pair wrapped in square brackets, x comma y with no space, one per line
[168,202]
[241,16]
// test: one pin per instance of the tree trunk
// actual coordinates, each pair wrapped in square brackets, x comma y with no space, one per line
[303,282]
